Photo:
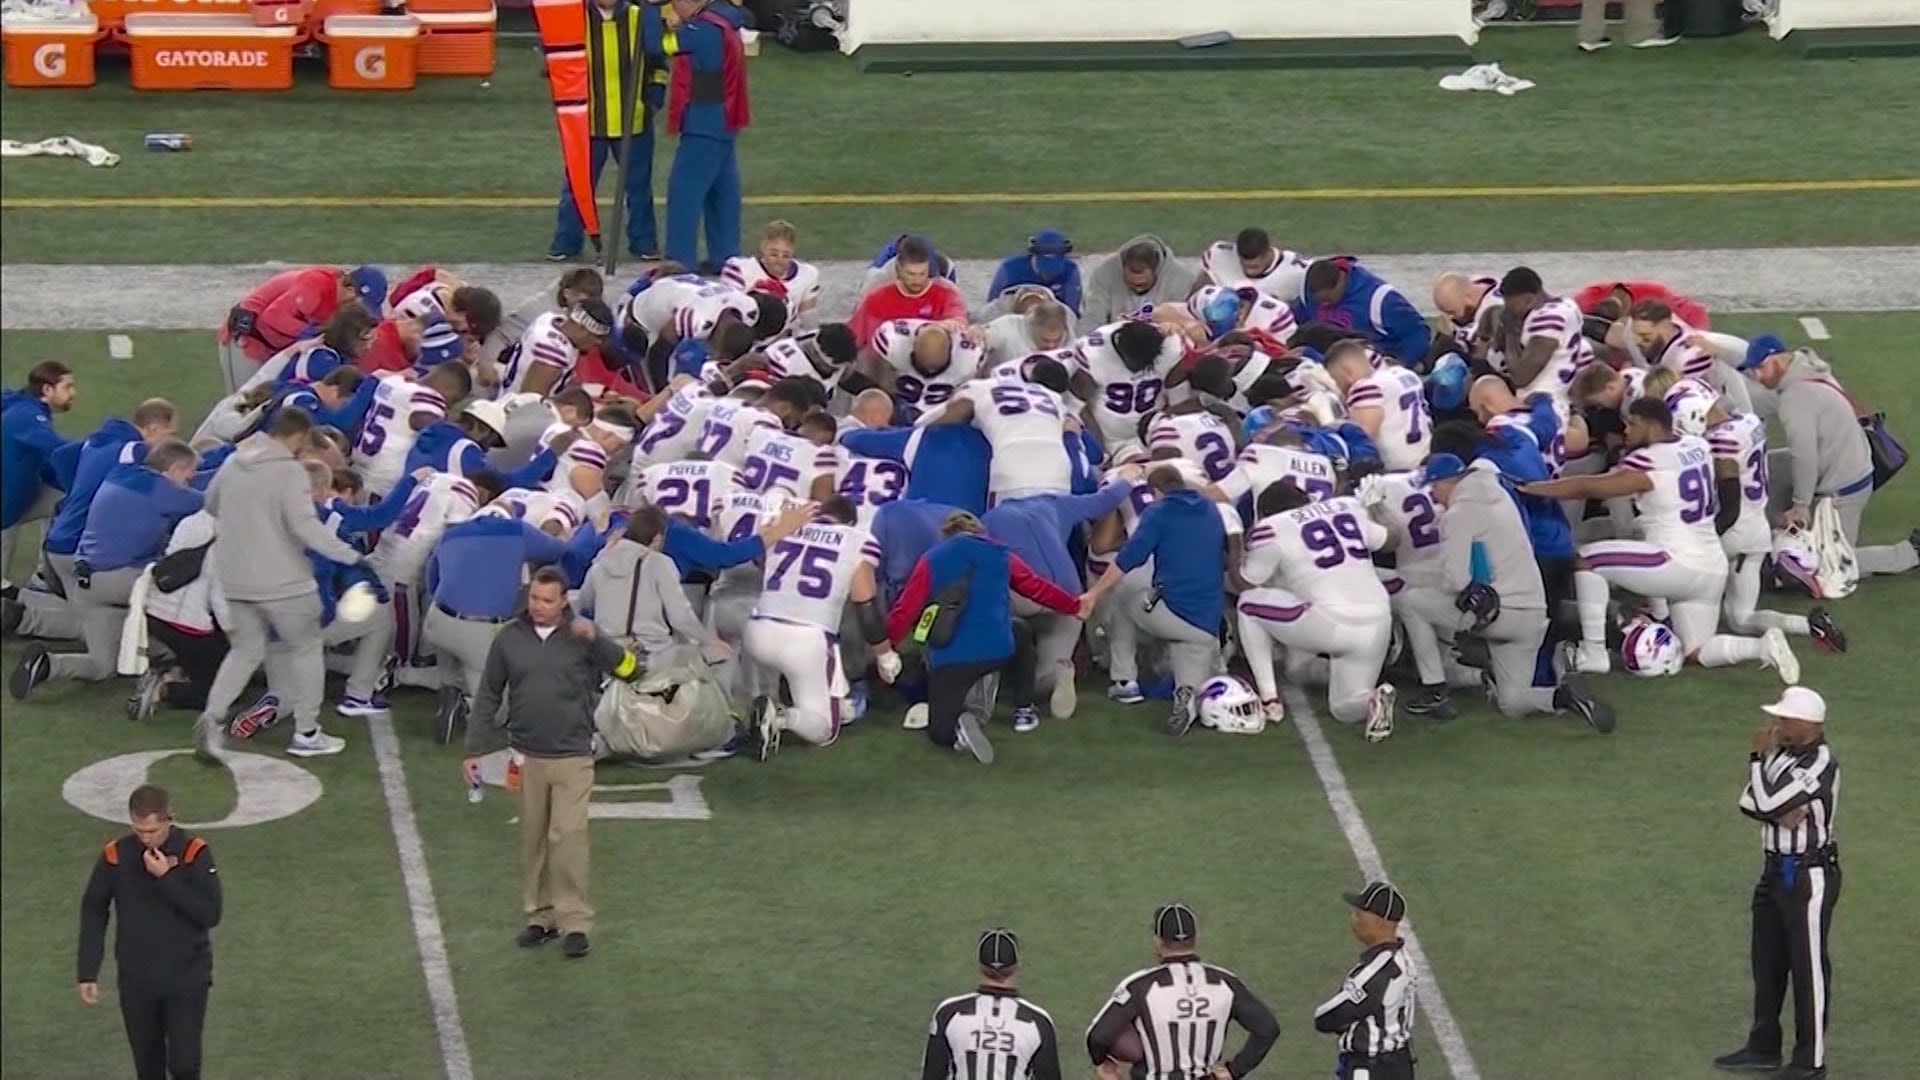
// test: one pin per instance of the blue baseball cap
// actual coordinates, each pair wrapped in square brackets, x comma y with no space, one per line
[689,356]
[1441,467]
[1760,348]
[1447,384]
[370,285]
[439,343]
[1257,421]
[1050,249]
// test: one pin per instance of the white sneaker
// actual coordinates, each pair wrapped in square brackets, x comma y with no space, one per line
[1274,710]
[1066,696]
[1591,659]
[1657,42]
[315,743]
[916,718]
[1477,77]
[968,736]
[1596,46]
[1379,725]
[1780,656]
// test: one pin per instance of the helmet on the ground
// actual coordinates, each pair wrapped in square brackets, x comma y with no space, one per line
[1229,705]
[1651,648]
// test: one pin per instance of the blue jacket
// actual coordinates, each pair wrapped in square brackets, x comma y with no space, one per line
[351,523]
[475,569]
[984,632]
[701,43]
[962,458]
[1372,307]
[115,442]
[905,529]
[442,447]
[132,516]
[1516,452]
[27,441]
[691,550]
[1018,270]
[210,462]
[1036,528]
[1084,455]
[1182,533]
[346,416]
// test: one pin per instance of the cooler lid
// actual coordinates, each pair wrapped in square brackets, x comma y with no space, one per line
[29,23]
[176,24]
[457,19]
[365,26]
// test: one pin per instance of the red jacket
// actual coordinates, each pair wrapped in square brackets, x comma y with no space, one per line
[593,369]
[1685,308]
[941,300]
[386,353]
[286,307]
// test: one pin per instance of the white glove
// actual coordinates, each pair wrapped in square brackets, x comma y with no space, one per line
[1372,492]
[889,664]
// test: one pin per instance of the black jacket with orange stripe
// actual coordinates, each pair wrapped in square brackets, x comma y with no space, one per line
[163,942]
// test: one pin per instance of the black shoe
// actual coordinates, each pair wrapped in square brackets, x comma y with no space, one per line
[1745,1060]
[9,592]
[575,945]
[1574,698]
[1825,632]
[1802,1072]
[534,936]
[447,717]
[1473,652]
[1180,720]
[1914,539]
[11,612]
[1430,701]
[34,668]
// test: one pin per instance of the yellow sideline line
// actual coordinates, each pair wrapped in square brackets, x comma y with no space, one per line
[965,198]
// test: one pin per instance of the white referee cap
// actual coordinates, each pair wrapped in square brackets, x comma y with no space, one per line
[1799,703]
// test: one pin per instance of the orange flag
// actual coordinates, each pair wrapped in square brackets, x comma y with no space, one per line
[563,37]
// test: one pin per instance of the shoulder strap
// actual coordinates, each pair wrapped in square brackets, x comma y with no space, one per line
[111,852]
[633,592]
[194,847]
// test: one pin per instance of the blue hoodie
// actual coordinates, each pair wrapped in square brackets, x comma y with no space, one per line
[132,516]
[1181,532]
[1372,307]
[962,454]
[116,442]
[1037,528]
[1017,270]
[906,529]
[346,416]
[475,569]
[27,442]
[443,447]
[1516,452]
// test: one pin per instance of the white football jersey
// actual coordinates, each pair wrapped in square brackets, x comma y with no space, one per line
[422,303]
[1142,497]
[688,306]
[1123,396]
[1282,280]
[582,453]
[1260,465]
[802,282]
[1562,321]
[541,508]
[1521,420]
[1008,339]
[723,435]
[1742,438]
[1412,519]
[1682,355]
[1462,332]
[387,434]
[1323,553]
[401,556]
[1015,370]
[693,488]
[1406,427]
[1678,513]
[868,483]
[893,341]
[1636,379]
[1267,314]
[786,359]
[543,344]
[1022,423]
[810,573]
[743,513]
[777,460]
[675,430]
[1198,436]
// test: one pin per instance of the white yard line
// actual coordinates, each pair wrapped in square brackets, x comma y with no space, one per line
[427,931]
[1816,330]
[1446,1030]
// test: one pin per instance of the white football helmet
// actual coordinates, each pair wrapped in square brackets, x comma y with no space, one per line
[1229,705]
[1651,649]
[1690,415]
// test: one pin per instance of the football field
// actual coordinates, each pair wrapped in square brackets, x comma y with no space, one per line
[1580,901]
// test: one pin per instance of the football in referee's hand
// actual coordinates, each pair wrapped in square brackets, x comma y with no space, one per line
[1127,1047]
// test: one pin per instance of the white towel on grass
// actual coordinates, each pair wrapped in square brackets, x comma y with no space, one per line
[61,146]
[1486,77]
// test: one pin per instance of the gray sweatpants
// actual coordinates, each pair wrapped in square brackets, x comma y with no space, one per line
[461,645]
[42,507]
[372,640]
[294,658]
[1193,653]
[1054,636]
[44,615]
[1513,642]
[1878,558]
[102,609]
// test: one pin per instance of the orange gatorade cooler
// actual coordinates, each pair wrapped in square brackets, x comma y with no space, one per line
[279,12]
[371,52]
[209,52]
[50,52]
[456,42]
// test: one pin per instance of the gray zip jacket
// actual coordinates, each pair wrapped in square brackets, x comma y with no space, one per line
[1829,449]
[654,613]
[1108,299]
[550,685]
[1481,512]
[263,501]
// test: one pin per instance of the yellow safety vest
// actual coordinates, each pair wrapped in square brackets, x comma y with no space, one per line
[613,48]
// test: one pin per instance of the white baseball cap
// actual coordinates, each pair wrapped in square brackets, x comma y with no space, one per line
[1799,703]
[491,413]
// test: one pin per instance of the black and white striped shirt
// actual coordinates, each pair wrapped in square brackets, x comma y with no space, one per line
[991,1034]
[1180,1010]
[1373,1012]
[1793,793]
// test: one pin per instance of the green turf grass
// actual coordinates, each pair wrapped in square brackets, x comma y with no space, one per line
[1619,117]
[1582,899]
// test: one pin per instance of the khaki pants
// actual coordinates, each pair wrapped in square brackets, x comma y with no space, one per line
[554,793]
[1639,13]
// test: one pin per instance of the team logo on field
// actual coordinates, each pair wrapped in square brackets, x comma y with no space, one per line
[371,62]
[265,788]
[50,60]
[211,58]
[628,802]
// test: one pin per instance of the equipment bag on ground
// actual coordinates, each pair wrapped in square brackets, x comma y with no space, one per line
[678,709]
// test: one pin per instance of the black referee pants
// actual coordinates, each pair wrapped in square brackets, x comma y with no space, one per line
[1792,914]
[947,686]
[197,656]
[1395,1066]
[163,1028]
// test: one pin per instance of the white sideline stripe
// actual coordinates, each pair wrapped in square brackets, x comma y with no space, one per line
[427,931]
[1446,1031]
[1816,330]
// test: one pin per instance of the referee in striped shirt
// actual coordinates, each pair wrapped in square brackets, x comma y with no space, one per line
[1373,1012]
[1793,783]
[1170,1021]
[992,1033]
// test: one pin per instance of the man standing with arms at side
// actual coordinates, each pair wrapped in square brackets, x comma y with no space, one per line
[1793,786]
[615,30]
[164,886]
[547,665]
[992,1033]
[707,107]
[1373,1012]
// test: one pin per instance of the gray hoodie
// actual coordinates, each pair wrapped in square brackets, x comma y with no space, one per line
[263,501]
[1830,452]
[654,613]
[1482,512]
[1107,297]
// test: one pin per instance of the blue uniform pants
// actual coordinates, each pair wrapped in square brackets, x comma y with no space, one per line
[570,233]
[704,186]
